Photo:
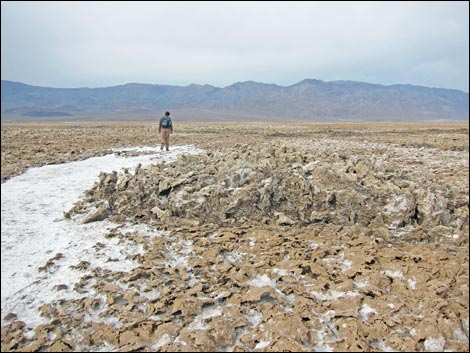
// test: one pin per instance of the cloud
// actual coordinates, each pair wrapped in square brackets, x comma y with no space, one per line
[70,44]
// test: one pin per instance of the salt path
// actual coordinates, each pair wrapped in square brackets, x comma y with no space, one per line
[34,230]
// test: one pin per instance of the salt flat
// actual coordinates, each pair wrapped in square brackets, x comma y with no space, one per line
[300,237]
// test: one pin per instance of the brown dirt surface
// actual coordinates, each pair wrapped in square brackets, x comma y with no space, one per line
[295,237]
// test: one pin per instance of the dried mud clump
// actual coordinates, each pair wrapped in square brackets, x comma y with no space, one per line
[394,195]
[302,246]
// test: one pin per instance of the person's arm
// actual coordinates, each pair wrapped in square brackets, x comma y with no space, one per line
[160,125]
[171,126]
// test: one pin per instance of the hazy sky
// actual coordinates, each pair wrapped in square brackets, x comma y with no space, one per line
[98,44]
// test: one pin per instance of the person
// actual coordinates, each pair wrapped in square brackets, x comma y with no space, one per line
[165,127]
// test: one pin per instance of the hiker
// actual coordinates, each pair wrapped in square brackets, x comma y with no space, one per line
[165,127]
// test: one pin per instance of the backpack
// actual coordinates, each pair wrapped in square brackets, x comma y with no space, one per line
[165,122]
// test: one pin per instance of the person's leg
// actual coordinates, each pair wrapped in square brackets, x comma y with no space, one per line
[163,139]
[166,138]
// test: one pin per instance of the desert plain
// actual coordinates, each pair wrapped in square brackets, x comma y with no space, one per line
[275,237]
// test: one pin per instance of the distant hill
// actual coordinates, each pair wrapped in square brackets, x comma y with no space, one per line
[308,100]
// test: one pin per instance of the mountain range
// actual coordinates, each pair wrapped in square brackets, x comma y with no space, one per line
[308,100]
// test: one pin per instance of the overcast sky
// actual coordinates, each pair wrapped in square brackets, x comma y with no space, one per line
[100,44]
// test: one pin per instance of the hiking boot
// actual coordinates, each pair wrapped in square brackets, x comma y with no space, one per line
[161,147]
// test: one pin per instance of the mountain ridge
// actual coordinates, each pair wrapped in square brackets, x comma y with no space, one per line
[307,100]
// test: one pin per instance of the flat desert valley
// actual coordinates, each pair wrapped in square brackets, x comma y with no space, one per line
[243,237]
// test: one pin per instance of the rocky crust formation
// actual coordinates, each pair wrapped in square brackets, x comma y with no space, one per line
[307,244]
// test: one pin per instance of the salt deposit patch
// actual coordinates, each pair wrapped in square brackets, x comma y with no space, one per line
[41,249]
